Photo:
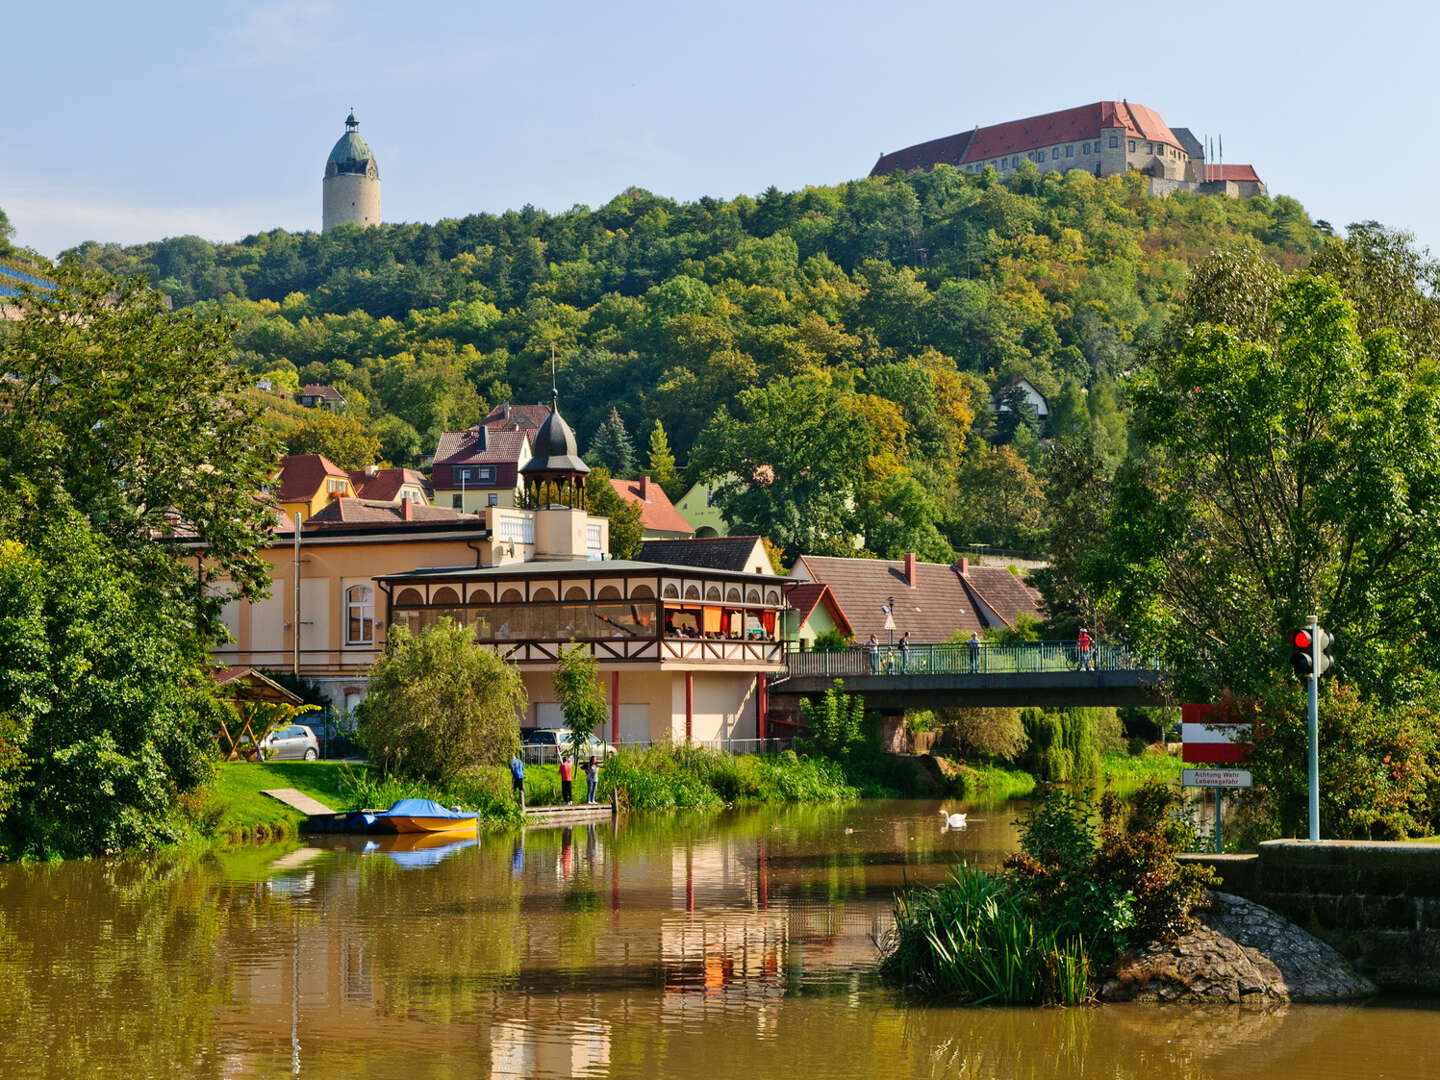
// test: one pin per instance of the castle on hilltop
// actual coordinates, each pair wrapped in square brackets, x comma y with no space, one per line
[1107,138]
[350,192]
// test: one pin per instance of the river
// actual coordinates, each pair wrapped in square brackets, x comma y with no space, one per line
[737,945]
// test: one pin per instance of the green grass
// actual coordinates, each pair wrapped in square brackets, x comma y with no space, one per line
[692,777]
[993,783]
[1126,773]
[236,803]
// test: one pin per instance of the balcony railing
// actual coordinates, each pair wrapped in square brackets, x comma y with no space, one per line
[978,658]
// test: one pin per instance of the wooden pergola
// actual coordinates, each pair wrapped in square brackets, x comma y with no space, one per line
[249,689]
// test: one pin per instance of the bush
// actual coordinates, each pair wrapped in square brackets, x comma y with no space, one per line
[484,789]
[440,705]
[974,939]
[830,641]
[1065,744]
[837,721]
[987,733]
[693,777]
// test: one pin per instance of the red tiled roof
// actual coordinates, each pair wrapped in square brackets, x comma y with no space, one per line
[385,484]
[302,475]
[806,597]
[479,445]
[1018,136]
[520,417]
[1231,172]
[938,605]
[329,393]
[1003,592]
[657,512]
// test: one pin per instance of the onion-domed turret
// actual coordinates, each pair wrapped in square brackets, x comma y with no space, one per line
[352,181]
[555,460]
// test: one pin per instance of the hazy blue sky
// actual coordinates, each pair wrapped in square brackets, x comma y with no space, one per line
[138,121]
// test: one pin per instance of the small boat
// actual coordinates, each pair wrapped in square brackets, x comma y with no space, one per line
[423,816]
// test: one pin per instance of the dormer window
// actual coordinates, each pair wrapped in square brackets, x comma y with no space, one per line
[334,486]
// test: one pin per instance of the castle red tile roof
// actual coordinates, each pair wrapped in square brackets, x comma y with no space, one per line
[1017,136]
[1231,172]
[657,512]
[385,484]
[303,475]
[809,595]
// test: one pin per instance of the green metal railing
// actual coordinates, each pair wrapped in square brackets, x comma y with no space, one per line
[979,658]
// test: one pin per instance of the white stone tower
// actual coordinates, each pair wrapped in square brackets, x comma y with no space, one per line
[351,187]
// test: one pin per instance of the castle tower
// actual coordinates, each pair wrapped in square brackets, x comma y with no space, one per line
[351,188]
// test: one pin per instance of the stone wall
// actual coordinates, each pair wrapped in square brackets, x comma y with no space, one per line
[1378,904]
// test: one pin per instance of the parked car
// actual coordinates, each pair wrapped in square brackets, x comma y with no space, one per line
[546,744]
[293,742]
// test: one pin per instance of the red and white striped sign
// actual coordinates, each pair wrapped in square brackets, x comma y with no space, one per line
[1209,740]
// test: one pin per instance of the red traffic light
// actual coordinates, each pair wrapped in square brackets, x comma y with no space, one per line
[1300,639]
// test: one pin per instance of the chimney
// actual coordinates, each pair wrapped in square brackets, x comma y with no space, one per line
[963,566]
[372,471]
[910,578]
[645,488]
[407,509]
[507,410]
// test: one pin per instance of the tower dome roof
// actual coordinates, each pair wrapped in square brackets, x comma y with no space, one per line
[554,448]
[351,153]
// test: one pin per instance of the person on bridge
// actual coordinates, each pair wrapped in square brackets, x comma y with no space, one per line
[905,652]
[872,654]
[974,653]
[1083,647]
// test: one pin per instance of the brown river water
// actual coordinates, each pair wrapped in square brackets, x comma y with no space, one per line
[737,945]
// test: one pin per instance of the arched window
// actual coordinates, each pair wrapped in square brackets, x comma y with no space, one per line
[771,596]
[445,595]
[479,594]
[360,615]
[670,592]
[409,598]
[712,592]
[692,592]
[642,592]
[732,595]
[752,596]
[608,592]
[542,595]
[511,596]
[575,592]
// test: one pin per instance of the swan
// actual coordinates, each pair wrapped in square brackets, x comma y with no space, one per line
[955,821]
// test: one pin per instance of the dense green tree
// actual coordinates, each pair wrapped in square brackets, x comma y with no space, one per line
[7,232]
[439,704]
[1078,505]
[612,447]
[577,687]
[1013,412]
[1290,467]
[662,462]
[340,437]
[139,417]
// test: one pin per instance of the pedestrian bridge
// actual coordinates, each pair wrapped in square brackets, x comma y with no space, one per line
[980,674]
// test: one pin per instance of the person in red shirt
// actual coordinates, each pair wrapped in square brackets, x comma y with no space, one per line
[567,774]
[1083,648]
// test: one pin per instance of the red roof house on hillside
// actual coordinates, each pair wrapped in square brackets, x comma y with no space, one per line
[658,517]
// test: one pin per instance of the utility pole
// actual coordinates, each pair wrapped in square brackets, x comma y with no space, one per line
[1313,692]
[295,653]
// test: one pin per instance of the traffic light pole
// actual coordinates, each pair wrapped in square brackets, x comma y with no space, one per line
[1313,683]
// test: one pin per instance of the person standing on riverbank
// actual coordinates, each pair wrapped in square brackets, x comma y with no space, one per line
[592,778]
[567,776]
[517,778]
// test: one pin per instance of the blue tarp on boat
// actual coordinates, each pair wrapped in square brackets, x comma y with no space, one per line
[424,808]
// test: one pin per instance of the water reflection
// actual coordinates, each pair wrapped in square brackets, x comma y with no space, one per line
[738,945]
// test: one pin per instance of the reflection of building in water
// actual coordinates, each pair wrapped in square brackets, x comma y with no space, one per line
[550,1047]
[725,954]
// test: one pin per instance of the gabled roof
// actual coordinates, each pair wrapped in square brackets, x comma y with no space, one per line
[369,512]
[809,595]
[1188,142]
[303,475]
[247,684]
[480,445]
[711,552]
[941,602]
[1231,172]
[329,393]
[385,484]
[657,512]
[508,417]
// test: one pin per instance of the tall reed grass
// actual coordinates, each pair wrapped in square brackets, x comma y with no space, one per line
[486,790]
[974,939]
[673,777]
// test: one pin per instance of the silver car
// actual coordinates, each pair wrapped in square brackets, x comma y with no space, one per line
[294,742]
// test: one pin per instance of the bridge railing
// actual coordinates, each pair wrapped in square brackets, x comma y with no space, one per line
[981,658]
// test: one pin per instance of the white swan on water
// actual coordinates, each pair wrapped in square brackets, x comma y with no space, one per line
[955,821]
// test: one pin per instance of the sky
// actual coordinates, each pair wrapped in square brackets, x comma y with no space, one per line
[139,121]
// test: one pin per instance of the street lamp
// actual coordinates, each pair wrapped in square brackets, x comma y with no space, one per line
[889,609]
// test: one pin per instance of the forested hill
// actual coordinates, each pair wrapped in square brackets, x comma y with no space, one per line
[881,305]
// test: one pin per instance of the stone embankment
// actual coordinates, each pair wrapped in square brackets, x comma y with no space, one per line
[1240,953]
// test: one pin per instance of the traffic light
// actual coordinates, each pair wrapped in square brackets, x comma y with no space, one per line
[1310,651]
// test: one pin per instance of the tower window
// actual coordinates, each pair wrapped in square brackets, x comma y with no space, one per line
[1114,141]
[1132,146]
[1070,151]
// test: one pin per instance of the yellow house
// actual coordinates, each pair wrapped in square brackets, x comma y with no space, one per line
[307,483]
